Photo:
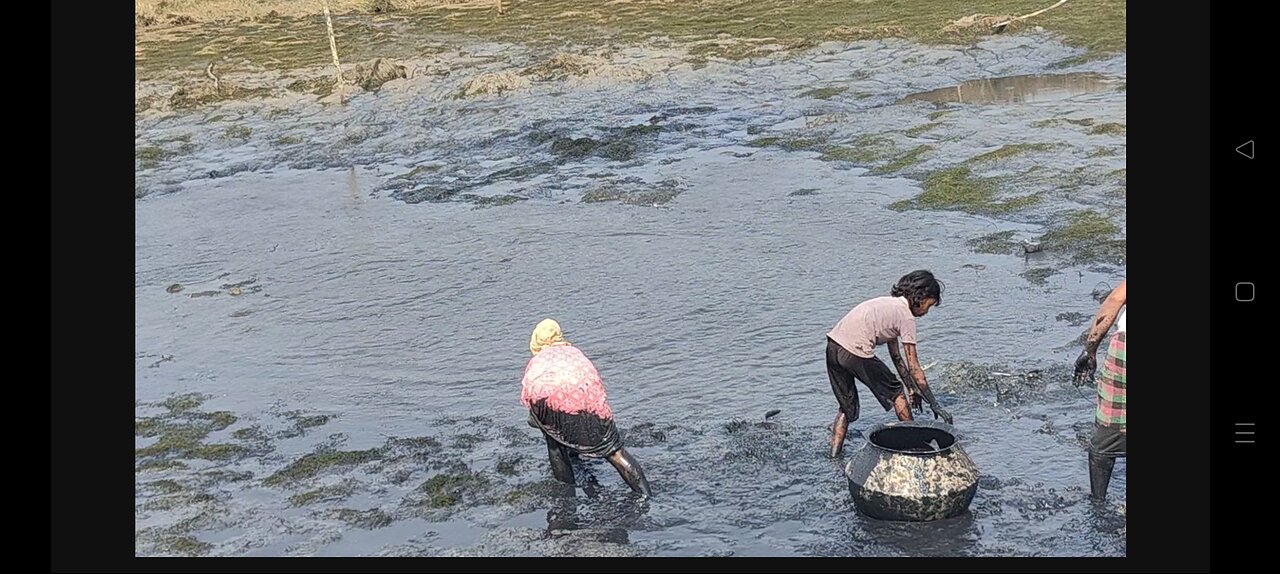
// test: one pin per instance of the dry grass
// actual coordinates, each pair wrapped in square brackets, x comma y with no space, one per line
[183,36]
[180,12]
[1095,24]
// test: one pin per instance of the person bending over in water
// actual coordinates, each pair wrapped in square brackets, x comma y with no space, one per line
[1110,428]
[851,352]
[566,401]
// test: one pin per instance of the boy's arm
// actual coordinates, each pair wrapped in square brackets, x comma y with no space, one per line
[896,355]
[918,381]
[1087,363]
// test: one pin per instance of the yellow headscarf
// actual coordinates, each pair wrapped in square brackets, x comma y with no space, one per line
[546,333]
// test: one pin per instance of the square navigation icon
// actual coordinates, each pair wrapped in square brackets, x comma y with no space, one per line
[1244,291]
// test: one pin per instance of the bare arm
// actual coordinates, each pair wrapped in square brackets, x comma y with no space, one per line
[913,366]
[896,355]
[913,377]
[1087,362]
[913,399]
[1105,318]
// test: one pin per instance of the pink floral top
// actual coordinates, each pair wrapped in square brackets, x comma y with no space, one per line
[566,378]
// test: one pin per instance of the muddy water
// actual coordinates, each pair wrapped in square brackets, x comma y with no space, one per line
[391,257]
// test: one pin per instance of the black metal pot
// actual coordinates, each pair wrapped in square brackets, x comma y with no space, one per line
[912,471]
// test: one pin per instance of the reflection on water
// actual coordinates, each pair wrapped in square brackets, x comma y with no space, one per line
[1015,89]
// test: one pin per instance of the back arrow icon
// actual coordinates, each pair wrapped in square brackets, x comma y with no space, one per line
[1246,149]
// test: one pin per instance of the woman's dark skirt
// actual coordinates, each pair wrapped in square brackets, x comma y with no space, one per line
[584,433]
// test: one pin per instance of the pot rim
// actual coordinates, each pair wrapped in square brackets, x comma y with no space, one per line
[937,425]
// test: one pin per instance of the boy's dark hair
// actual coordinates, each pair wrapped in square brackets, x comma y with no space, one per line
[917,286]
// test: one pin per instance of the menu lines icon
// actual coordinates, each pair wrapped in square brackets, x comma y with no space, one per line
[1244,433]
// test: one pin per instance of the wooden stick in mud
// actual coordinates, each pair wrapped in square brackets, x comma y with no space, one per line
[498,3]
[1000,27]
[333,47]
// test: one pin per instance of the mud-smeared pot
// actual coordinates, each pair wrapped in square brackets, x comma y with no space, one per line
[912,471]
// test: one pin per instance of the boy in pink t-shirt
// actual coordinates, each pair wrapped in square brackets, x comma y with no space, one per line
[851,352]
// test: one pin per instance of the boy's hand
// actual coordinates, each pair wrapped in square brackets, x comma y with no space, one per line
[1086,365]
[941,412]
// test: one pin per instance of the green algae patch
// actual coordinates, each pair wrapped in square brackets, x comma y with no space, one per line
[368,519]
[467,441]
[1008,151]
[220,451]
[322,494]
[180,434]
[151,156]
[957,188]
[1039,275]
[919,130]
[166,486]
[182,403]
[252,433]
[789,144]
[221,420]
[1109,129]
[998,243]
[1089,237]
[508,464]
[450,488]
[904,161]
[183,545]
[492,200]
[318,463]
[160,465]
[656,194]
[312,421]
[864,150]
[237,133]
[177,440]
[824,93]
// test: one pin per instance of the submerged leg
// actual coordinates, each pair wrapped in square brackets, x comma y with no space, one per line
[1100,468]
[838,431]
[560,466]
[630,470]
[902,407]
[841,366]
